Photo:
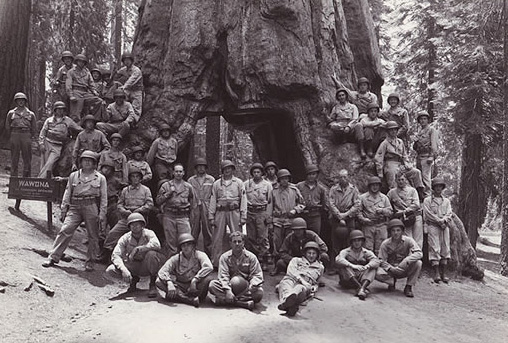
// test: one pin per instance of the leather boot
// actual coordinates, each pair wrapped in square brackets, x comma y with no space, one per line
[442,272]
[185,299]
[152,290]
[435,276]
[361,148]
[132,286]
[362,294]
[370,153]
[249,305]
[408,291]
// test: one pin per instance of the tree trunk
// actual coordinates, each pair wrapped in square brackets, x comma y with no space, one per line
[266,67]
[431,66]
[504,195]
[117,32]
[14,27]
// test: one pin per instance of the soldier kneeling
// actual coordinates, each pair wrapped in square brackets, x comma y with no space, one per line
[185,277]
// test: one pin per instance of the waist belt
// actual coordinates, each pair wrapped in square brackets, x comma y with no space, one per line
[20,129]
[392,157]
[177,211]
[228,207]
[83,88]
[84,201]
[256,208]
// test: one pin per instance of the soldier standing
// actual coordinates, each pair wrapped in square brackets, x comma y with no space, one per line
[89,139]
[228,208]
[162,153]
[426,146]
[21,125]
[375,210]
[132,82]
[314,195]
[176,199]
[117,157]
[120,116]
[271,170]
[202,184]
[259,213]
[61,76]
[79,86]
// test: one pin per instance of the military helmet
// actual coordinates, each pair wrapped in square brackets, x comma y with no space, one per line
[283,173]
[20,95]
[135,217]
[271,164]
[341,90]
[200,161]
[298,224]
[119,93]
[88,154]
[391,125]
[116,135]
[65,54]
[163,127]
[256,166]
[97,70]
[395,223]
[227,163]
[89,117]
[58,104]
[438,181]
[372,105]
[126,55]
[363,80]
[81,57]
[108,163]
[137,148]
[393,95]
[185,238]
[311,245]
[422,114]
[356,234]
[312,168]
[238,284]
[372,180]
[134,170]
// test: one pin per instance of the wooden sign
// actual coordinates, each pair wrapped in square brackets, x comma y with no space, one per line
[31,188]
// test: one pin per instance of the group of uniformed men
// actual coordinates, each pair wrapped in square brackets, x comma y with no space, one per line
[373,235]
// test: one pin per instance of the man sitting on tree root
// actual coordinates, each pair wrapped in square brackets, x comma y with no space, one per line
[240,276]
[357,265]
[137,254]
[185,277]
[400,258]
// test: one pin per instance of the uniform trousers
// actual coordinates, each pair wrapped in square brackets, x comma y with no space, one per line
[200,224]
[148,266]
[439,243]
[257,233]
[374,236]
[426,171]
[21,143]
[120,229]
[122,128]
[411,271]
[313,221]
[76,106]
[49,157]
[255,294]
[348,273]
[135,97]
[415,231]
[289,285]
[183,287]
[220,239]
[280,231]
[340,234]
[75,215]
[413,175]
[174,225]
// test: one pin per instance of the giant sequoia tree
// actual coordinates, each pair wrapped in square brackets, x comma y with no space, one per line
[265,66]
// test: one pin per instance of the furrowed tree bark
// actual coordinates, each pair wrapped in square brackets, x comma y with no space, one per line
[504,195]
[14,28]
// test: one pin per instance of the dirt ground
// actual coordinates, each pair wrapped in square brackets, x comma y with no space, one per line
[87,308]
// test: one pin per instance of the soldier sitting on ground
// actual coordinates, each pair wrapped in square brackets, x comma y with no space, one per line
[136,255]
[295,241]
[185,277]
[240,276]
[301,280]
[357,265]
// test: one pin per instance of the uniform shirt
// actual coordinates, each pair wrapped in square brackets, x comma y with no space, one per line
[119,160]
[344,201]
[259,194]
[370,203]
[436,209]
[390,148]
[163,149]
[127,243]
[21,118]
[404,199]
[61,76]
[400,254]
[292,246]
[93,140]
[228,192]
[302,271]
[363,257]
[135,199]
[427,141]
[132,76]
[143,166]
[56,130]
[398,115]
[81,186]
[118,113]
[314,195]
[114,187]
[344,115]
[274,182]
[245,265]
[366,121]
[176,196]
[202,188]
[286,199]
[181,269]
[362,100]
[77,77]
